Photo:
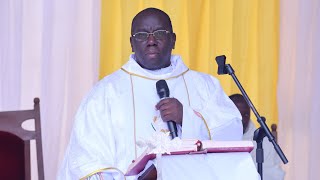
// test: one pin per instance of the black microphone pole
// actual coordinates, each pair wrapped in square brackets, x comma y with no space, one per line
[263,130]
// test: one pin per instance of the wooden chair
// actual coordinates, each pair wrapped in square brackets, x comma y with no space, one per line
[15,144]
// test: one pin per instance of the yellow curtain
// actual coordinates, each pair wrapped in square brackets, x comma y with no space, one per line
[246,31]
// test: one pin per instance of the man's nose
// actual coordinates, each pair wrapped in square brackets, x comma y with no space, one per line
[151,40]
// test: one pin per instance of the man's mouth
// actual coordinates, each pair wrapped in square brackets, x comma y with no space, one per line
[152,53]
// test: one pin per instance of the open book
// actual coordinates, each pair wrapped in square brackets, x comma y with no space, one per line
[192,147]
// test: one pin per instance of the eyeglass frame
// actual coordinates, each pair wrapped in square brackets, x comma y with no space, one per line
[152,33]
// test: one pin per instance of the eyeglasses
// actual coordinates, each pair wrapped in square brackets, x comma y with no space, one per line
[158,34]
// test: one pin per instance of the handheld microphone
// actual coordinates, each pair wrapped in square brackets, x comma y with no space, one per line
[163,92]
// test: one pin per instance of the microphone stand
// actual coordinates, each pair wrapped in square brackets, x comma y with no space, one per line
[263,130]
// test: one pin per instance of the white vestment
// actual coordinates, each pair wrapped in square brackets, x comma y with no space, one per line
[271,164]
[121,108]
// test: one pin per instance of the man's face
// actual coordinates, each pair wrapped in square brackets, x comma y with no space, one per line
[152,53]
[245,113]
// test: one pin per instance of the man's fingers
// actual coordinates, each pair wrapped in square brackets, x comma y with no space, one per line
[170,110]
[166,115]
[162,102]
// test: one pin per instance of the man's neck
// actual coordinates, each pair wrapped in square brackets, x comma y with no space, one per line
[165,70]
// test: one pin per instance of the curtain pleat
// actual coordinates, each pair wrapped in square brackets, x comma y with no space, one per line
[299,87]
[48,49]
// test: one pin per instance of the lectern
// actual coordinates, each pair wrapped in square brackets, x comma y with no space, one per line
[211,166]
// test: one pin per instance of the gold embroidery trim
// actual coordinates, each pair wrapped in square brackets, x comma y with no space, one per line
[133,74]
[205,122]
[101,170]
[134,118]
[185,84]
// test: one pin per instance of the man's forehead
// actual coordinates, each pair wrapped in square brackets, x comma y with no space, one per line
[150,20]
[147,28]
[150,25]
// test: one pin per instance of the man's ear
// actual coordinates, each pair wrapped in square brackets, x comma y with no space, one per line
[131,44]
[173,40]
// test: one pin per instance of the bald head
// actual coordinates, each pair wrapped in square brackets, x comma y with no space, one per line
[151,12]
[244,109]
[238,98]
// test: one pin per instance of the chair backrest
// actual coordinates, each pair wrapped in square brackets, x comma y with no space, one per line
[14,136]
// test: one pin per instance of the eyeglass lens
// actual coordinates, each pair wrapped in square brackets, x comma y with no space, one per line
[159,35]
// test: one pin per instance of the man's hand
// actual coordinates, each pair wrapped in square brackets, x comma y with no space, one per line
[171,110]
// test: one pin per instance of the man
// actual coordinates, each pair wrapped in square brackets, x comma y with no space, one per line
[124,106]
[271,165]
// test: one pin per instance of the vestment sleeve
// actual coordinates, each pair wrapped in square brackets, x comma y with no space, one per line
[217,118]
[91,148]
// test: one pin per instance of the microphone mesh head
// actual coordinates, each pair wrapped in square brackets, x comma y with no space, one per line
[162,89]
